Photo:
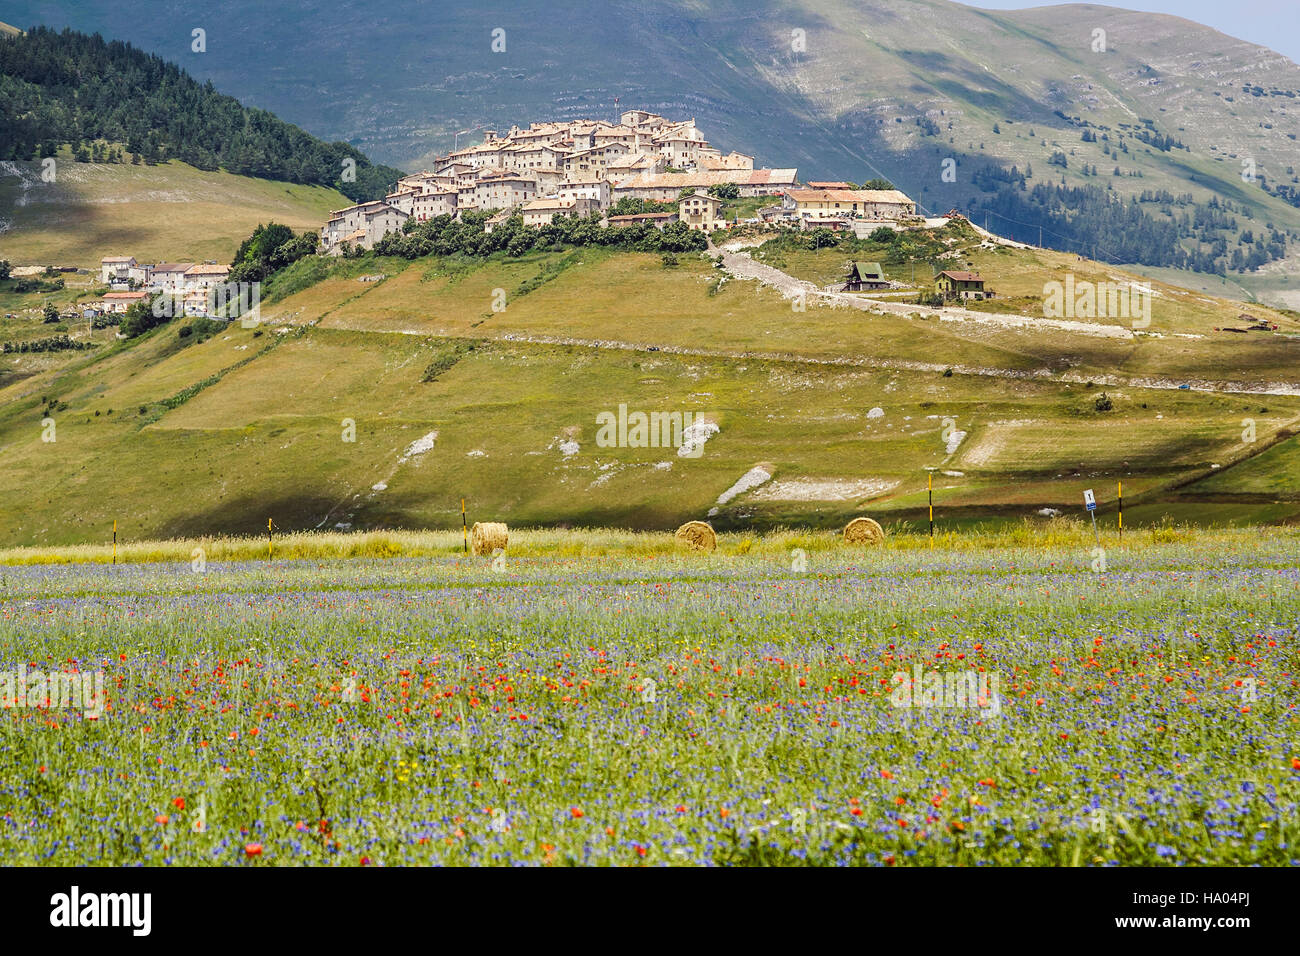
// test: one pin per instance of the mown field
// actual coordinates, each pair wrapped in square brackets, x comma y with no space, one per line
[601,698]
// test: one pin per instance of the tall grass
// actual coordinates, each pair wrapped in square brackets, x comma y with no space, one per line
[1056,534]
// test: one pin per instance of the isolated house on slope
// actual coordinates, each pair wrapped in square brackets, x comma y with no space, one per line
[960,285]
[864,277]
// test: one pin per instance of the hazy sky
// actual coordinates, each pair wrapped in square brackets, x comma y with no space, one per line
[1271,23]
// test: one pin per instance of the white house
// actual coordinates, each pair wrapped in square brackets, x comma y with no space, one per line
[116,269]
[360,226]
[169,277]
[501,191]
[597,190]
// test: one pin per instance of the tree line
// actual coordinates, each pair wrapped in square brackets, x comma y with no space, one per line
[468,235]
[1097,222]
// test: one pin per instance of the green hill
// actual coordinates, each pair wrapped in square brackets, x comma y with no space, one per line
[447,398]
[111,102]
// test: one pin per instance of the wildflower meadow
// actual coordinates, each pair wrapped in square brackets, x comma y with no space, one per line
[895,706]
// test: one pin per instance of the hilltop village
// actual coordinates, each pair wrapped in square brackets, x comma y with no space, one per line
[643,169]
[586,167]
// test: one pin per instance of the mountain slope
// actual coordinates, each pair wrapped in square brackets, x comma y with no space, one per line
[876,87]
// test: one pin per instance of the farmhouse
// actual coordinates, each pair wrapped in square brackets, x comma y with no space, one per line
[960,285]
[699,210]
[195,303]
[116,269]
[865,276]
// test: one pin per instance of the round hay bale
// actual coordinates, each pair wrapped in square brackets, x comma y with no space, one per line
[488,536]
[697,535]
[863,531]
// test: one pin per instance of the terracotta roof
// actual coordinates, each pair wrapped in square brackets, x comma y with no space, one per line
[207,270]
[125,295]
[961,276]
[849,195]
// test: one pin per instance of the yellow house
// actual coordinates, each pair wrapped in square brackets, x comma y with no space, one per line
[700,211]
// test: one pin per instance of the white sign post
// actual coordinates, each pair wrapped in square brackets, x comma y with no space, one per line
[1090,502]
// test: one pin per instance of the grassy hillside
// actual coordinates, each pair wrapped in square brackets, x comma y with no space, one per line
[170,212]
[178,437]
